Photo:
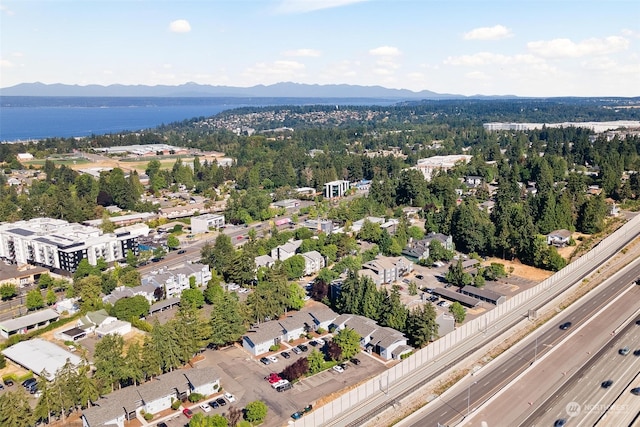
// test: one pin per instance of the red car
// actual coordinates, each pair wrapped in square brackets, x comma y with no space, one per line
[187,413]
[273,378]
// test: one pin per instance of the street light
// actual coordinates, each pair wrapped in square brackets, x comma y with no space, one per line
[535,354]
[469,397]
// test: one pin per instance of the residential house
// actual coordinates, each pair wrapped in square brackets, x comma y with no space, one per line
[388,269]
[101,324]
[262,336]
[285,251]
[176,280]
[388,343]
[151,397]
[259,338]
[473,180]
[445,240]
[264,261]
[559,238]
[313,262]
[321,226]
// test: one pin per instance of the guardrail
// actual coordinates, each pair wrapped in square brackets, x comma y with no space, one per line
[561,280]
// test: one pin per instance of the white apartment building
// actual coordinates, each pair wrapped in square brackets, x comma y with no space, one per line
[335,189]
[57,244]
[431,165]
[176,280]
[202,223]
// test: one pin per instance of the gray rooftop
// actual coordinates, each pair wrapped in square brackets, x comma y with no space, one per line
[481,292]
[39,355]
[264,332]
[29,320]
[457,296]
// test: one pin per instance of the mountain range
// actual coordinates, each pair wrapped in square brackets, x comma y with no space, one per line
[278,90]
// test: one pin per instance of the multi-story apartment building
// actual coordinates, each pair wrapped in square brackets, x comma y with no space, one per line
[57,244]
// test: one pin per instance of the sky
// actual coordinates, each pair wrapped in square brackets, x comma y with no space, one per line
[512,47]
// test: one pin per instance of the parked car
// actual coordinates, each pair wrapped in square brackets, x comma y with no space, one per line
[355,361]
[187,413]
[161,424]
[214,404]
[29,382]
[230,397]
[296,350]
[182,251]
[284,387]
[320,342]
[339,369]
[279,384]
[273,378]
[8,382]
[419,276]
[303,347]
[343,366]
[265,361]
[205,407]
[273,359]
[221,401]
[296,415]
[285,354]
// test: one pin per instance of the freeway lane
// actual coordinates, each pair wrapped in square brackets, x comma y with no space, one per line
[584,401]
[474,391]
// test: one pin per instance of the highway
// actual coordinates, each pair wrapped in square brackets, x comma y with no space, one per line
[461,402]
[586,400]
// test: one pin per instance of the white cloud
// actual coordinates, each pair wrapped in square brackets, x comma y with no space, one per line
[302,52]
[477,75]
[387,51]
[496,32]
[167,66]
[382,71]
[488,58]
[6,10]
[304,6]
[6,64]
[17,54]
[565,48]
[180,26]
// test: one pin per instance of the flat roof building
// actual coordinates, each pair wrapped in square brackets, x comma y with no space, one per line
[202,223]
[57,244]
[40,356]
[25,324]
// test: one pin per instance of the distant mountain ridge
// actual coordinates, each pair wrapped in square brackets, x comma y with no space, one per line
[278,90]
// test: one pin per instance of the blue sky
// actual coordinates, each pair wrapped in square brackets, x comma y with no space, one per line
[519,47]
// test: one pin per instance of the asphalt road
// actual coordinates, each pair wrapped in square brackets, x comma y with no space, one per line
[585,401]
[476,390]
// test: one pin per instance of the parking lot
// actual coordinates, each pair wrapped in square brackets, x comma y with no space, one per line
[244,377]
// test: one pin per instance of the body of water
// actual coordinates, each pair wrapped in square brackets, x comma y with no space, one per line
[41,118]
[31,117]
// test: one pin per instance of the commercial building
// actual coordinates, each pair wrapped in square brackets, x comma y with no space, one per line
[335,189]
[28,323]
[202,223]
[57,244]
[431,165]
[41,357]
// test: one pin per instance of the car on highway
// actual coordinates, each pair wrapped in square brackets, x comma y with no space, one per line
[624,351]
[560,423]
[606,384]
[565,326]
[636,391]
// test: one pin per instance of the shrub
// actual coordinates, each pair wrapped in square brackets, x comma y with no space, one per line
[274,347]
[256,411]
[148,416]
[321,331]
[175,404]
[195,397]
[404,356]
[3,361]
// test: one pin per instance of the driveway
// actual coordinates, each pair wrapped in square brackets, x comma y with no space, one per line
[243,376]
